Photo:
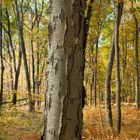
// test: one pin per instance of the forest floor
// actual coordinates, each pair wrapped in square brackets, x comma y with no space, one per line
[17,124]
[95,126]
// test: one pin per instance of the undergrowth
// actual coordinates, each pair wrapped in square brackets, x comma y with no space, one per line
[94,130]
[18,124]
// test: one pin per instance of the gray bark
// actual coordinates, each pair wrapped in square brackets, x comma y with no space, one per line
[63,113]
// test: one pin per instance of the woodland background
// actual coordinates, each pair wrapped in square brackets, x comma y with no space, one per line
[23,45]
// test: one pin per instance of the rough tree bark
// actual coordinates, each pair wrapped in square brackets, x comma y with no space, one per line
[65,73]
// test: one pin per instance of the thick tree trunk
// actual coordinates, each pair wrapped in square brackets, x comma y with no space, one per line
[65,71]
[118,81]
[137,95]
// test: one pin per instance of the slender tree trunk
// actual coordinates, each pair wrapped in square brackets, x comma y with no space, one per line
[87,21]
[1,58]
[137,95]
[10,39]
[108,85]
[124,64]
[65,71]
[91,97]
[100,109]
[95,74]
[118,81]
[17,73]
[91,85]
[11,69]
[108,79]
[13,56]
[33,63]
[88,15]
[38,59]
[21,36]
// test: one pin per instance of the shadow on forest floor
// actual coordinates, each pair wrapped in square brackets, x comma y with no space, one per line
[17,124]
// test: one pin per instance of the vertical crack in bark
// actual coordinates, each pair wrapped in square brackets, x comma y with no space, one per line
[70,65]
[66,97]
[56,68]
[50,102]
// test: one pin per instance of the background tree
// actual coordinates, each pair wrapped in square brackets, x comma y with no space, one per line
[118,80]
[137,61]
[1,57]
